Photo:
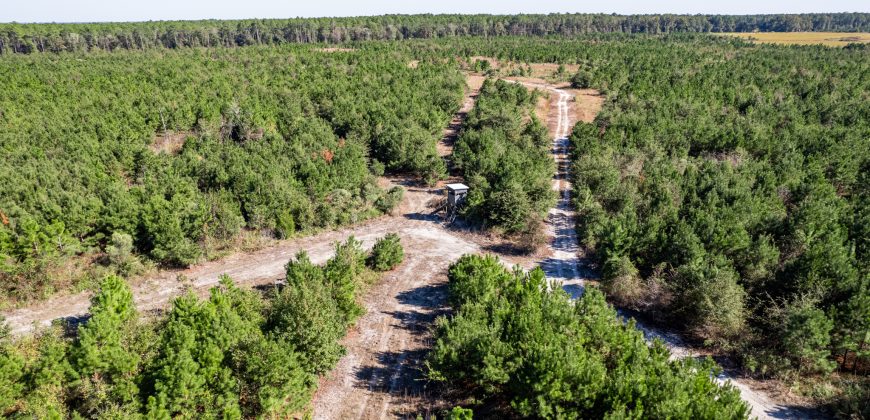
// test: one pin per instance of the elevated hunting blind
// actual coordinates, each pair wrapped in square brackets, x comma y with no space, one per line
[455,196]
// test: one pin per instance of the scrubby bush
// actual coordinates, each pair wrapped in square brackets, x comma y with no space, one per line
[387,253]
[121,257]
[390,200]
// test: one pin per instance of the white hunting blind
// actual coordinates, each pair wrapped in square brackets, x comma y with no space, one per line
[455,196]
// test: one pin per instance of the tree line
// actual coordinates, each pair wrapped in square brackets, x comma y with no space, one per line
[275,140]
[54,37]
[515,348]
[238,353]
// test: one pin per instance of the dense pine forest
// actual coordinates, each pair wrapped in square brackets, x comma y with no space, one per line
[29,38]
[724,188]
[174,153]
[525,351]
[722,192]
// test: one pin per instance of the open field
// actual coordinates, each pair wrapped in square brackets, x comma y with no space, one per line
[830,39]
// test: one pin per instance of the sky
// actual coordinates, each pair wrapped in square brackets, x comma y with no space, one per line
[143,10]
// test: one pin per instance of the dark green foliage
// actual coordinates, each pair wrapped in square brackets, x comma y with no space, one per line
[714,191]
[341,276]
[387,253]
[11,370]
[186,148]
[806,337]
[235,354]
[505,160]
[511,339]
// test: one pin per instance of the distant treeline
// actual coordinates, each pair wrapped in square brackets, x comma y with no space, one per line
[28,38]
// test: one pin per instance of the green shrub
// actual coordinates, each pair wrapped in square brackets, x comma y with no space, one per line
[387,253]
[390,200]
[307,317]
[459,413]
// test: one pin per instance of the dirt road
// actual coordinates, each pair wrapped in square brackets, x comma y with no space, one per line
[566,267]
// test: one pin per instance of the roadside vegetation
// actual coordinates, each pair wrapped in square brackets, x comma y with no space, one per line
[387,253]
[730,198]
[237,353]
[503,154]
[514,348]
[252,142]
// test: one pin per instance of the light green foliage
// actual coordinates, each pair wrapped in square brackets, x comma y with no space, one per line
[120,253]
[103,355]
[387,253]
[511,339]
[459,413]
[505,161]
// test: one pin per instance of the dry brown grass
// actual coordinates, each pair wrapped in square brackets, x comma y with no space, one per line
[586,104]
[830,39]
[170,142]
[474,82]
[540,71]
[335,49]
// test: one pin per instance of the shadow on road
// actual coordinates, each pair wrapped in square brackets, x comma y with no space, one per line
[397,373]
[401,373]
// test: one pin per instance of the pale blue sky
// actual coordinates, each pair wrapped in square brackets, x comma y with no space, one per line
[138,10]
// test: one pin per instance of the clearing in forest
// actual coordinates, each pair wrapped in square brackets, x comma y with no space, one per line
[830,39]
